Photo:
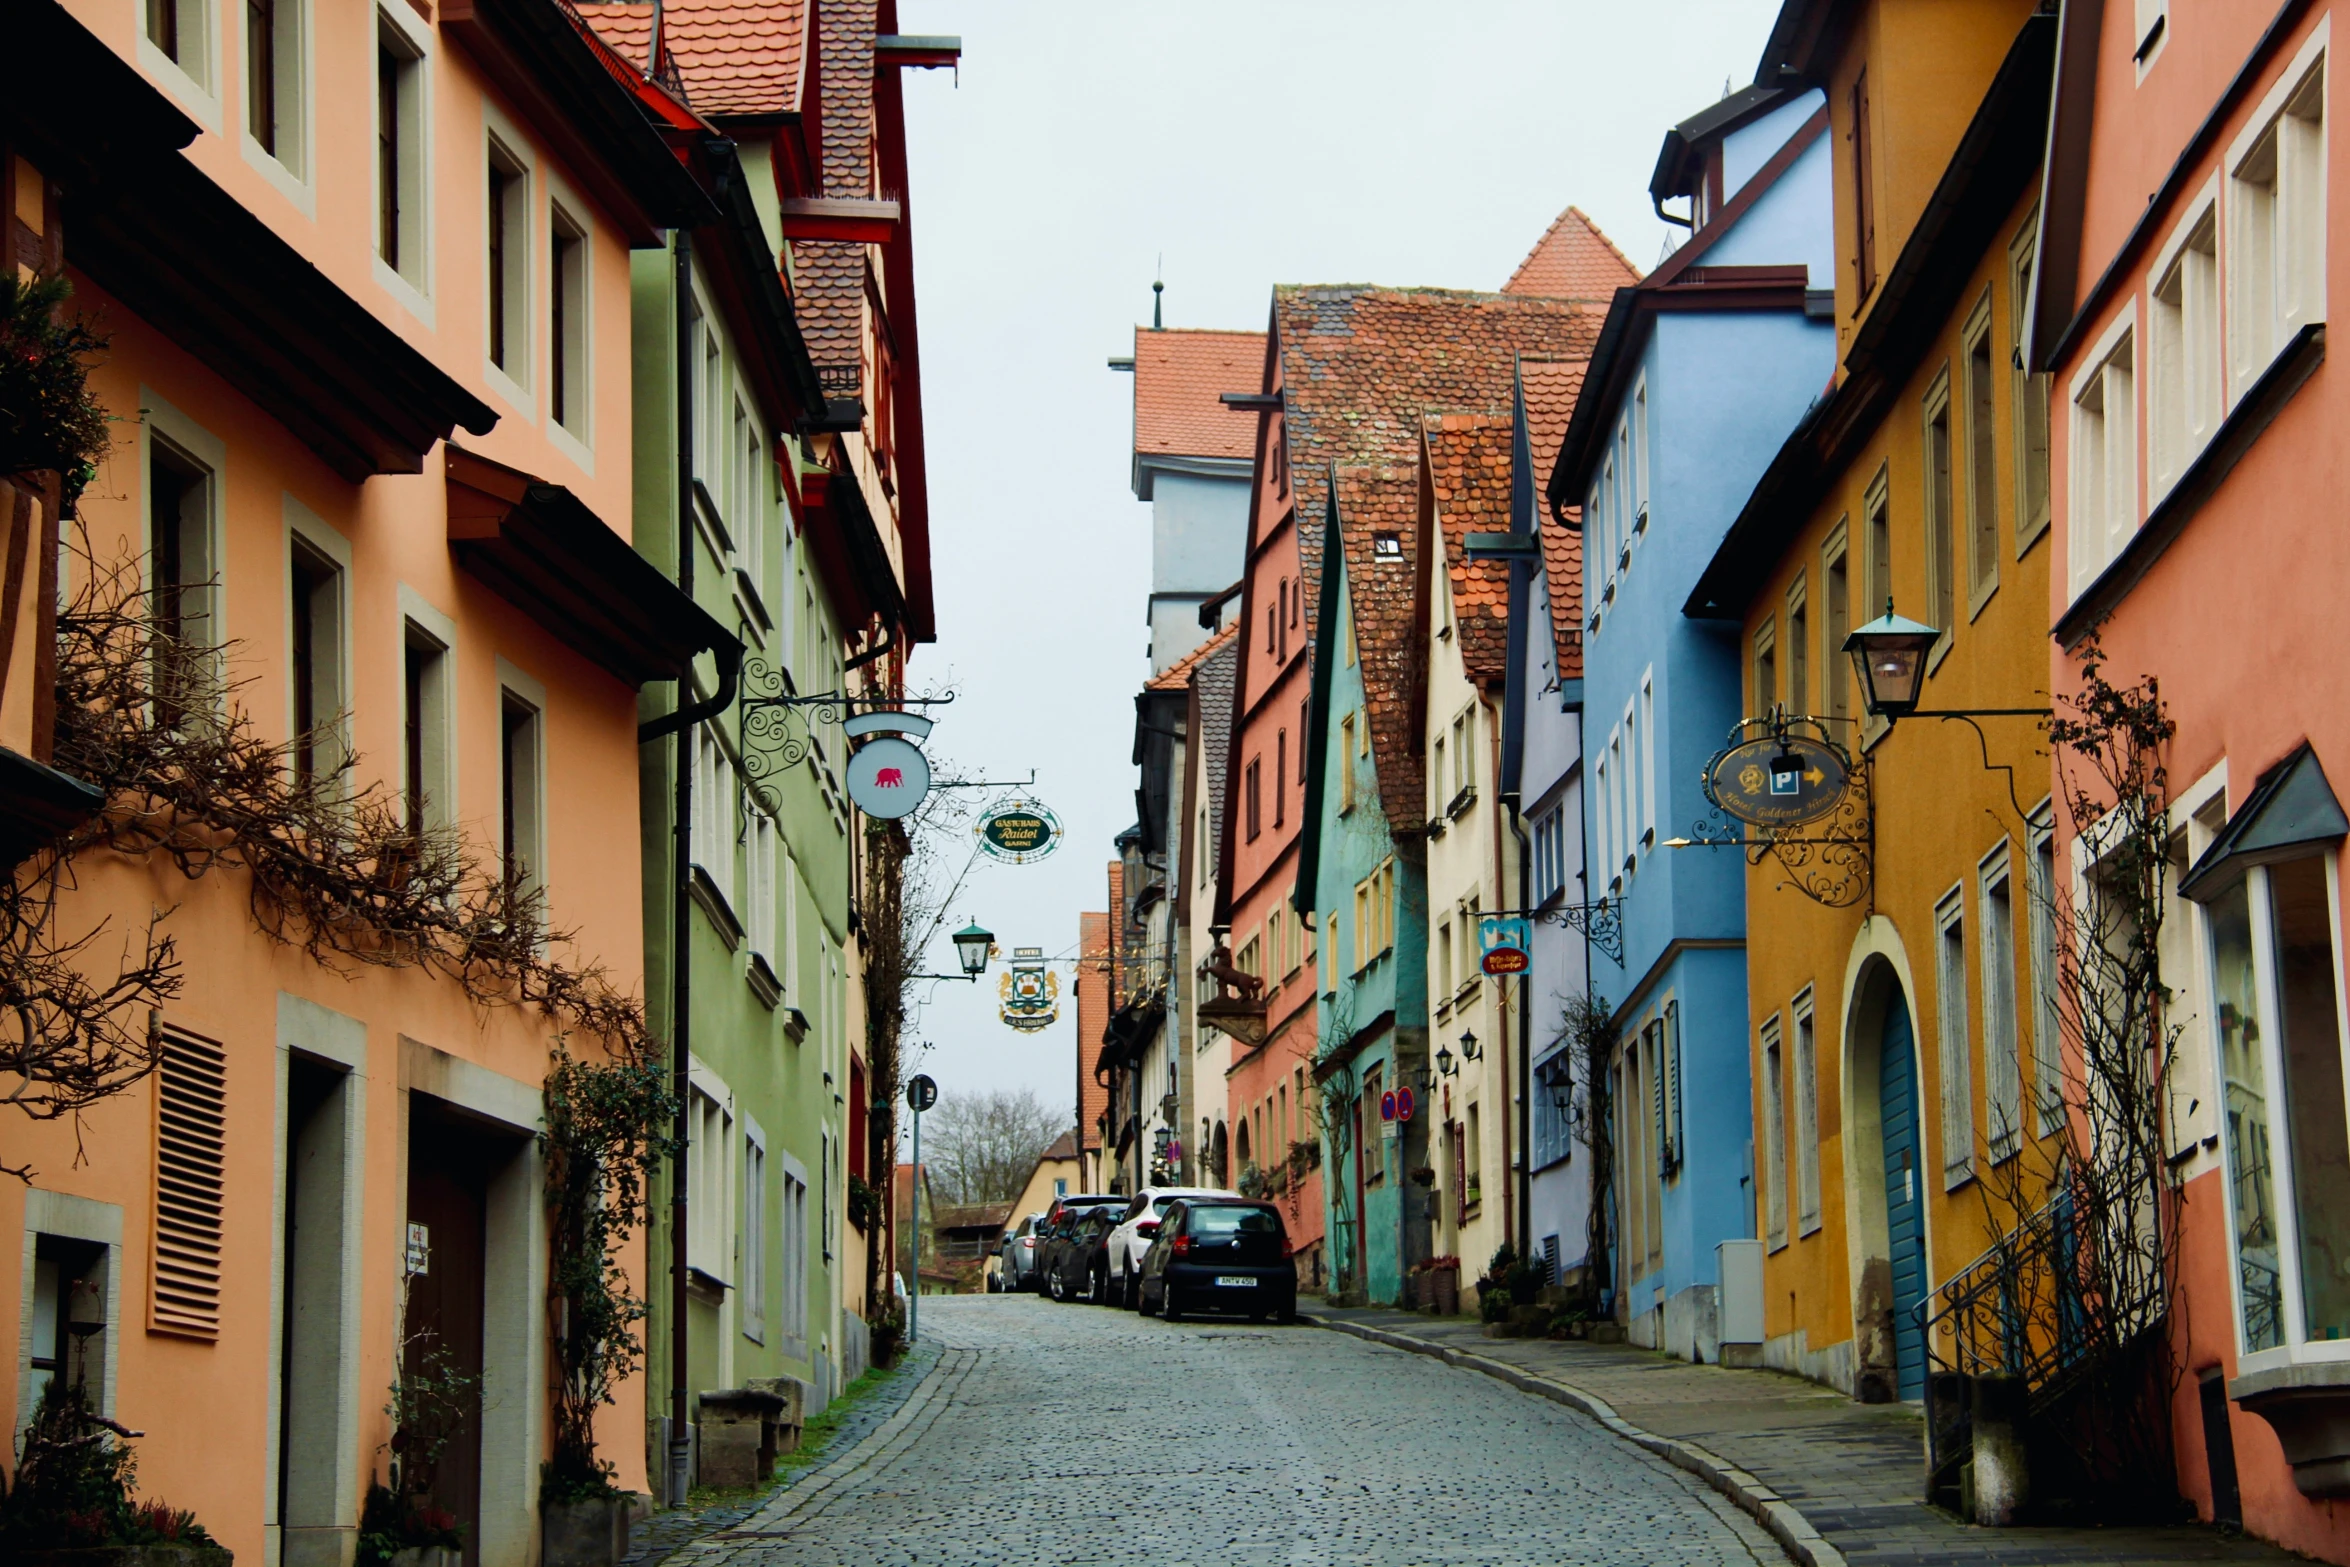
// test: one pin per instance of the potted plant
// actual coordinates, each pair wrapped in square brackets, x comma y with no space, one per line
[1493,1309]
[71,1504]
[407,1531]
[1444,1285]
[401,1525]
[49,421]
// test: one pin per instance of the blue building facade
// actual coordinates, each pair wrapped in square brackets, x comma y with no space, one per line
[1701,372]
[1362,866]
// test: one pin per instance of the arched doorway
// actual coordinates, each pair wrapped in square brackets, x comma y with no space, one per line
[1884,1168]
[1905,1196]
[1220,1157]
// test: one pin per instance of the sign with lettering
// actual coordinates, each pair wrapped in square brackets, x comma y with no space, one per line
[888,777]
[1778,780]
[1018,831]
[1029,992]
[1504,944]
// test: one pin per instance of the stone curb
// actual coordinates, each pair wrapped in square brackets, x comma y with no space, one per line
[1789,1527]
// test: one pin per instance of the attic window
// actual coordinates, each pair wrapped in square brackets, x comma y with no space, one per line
[1387,546]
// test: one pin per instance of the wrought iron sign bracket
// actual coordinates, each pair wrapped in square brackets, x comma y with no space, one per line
[1779,778]
[1601,923]
[773,745]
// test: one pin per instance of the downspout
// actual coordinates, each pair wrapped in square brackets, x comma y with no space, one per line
[1511,1207]
[680,929]
[1525,1034]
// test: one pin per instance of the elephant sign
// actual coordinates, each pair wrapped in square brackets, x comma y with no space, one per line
[888,777]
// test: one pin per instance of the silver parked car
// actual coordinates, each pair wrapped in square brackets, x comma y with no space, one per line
[1016,1255]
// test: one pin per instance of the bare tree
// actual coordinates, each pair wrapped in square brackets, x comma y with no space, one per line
[981,1148]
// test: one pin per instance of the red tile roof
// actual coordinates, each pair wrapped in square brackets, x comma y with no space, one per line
[1177,676]
[1465,466]
[1178,377]
[1551,388]
[829,276]
[1573,260]
[1361,365]
[734,56]
[1372,504]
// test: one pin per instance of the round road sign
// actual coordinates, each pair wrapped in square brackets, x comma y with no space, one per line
[921,1092]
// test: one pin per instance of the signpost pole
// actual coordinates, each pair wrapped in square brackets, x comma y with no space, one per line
[914,1290]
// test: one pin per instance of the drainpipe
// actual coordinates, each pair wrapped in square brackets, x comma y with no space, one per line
[1510,1207]
[1525,1034]
[680,930]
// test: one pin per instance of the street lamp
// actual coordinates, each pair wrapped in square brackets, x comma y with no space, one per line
[973,943]
[1889,654]
[1469,1050]
[1444,1060]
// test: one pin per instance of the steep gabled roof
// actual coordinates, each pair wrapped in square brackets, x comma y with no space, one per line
[1573,260]
[1216,682]
[732,56]
[1360,365]
[1179,377]
[1369,507]
[830,275]
[1552,386]
[1465,474]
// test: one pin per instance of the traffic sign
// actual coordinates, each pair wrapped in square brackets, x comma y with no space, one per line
[1387,1105]
[1405,1104]
[921,1092]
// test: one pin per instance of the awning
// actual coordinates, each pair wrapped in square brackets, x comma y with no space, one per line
[539,547]
[2291,809]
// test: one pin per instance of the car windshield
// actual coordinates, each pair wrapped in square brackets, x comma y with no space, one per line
[1224,1224]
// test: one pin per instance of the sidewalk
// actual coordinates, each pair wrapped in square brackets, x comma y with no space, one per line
[1835,1481]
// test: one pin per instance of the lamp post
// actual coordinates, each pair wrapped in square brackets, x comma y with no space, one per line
[974,945]
[1889,654]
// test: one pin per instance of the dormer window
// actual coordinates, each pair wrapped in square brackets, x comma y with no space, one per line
[1387,546]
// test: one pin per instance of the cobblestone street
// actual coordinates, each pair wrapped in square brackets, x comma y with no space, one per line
[1074,1434]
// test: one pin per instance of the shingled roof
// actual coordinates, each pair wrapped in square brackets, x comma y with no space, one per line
[1465,473]
[1552,386]
[733,56]
[1573,260]
[1372,505]
[1361,365]
[1216,681]
[1178,377]
[829,275]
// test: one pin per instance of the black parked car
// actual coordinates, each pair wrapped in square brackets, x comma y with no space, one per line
[1220,1254]
[1082,1263]
[1054,1230]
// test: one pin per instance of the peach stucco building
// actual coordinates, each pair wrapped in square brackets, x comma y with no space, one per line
[369,313]
[2180,307]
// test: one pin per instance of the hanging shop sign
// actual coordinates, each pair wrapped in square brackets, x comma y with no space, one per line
[888,777]
[1778,780]
[1504,942]
[1029,993]
[1018,831]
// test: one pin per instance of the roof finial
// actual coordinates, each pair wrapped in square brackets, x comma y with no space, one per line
[1158,296]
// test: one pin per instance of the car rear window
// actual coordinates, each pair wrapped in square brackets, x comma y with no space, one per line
[1217,1224]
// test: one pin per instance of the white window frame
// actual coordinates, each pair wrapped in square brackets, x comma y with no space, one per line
[516,380]
[2186,370]
[2004,1116]
[197,89]
[2104,455]
[1774,1118]
[752,1252]
[411,283]
[2275,257]
[530,691]
[2197,813]
[294,58]
[1805,1028]
[1954,1034]
[2149,34]
[419,616]
[574,435]
[2046,962]
[192,444]
[305,529]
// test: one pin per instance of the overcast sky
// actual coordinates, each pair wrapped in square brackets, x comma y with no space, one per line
[1247,143]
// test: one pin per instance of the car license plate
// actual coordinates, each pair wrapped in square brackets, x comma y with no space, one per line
[1232,1281]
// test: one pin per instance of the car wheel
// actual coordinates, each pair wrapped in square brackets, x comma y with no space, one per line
[1101,1287]
[1170,1307]
[1142,1300]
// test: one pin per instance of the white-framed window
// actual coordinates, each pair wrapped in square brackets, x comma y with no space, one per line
[2186,383]
[1980,394]
[2104,457]
[1956,1052]
[1633,841]
[791,1279]
[276,109]
[2047,1025]
[1807,1115]
[1774,1107]
[1639,458]
[522,833]
[1627,487]
[318,581]
[1940,511]
[428,771]
[1550,855]
[570,315]
[176,39]
[2273,943]
[2027,392]
[506,263]
[761,896]
[2276,218]
[710,1234]
[749,518]
[1648,757]
[752,1261]
[2003,1081]
[181,466]
[402,156]
[2150,31]
[713,828]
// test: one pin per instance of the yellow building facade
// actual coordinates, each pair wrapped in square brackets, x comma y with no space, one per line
[1905,1077]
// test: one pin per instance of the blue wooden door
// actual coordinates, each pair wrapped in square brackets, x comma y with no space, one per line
[1905,1196]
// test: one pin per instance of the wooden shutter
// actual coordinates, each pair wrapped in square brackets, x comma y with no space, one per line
[191,1115]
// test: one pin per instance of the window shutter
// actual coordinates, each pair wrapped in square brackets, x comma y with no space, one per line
[191,1117]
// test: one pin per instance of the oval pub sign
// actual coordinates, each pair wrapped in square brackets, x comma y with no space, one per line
[1778,782]
[1019,831]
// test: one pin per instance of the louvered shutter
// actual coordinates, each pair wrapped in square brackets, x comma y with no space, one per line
[191,1118]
